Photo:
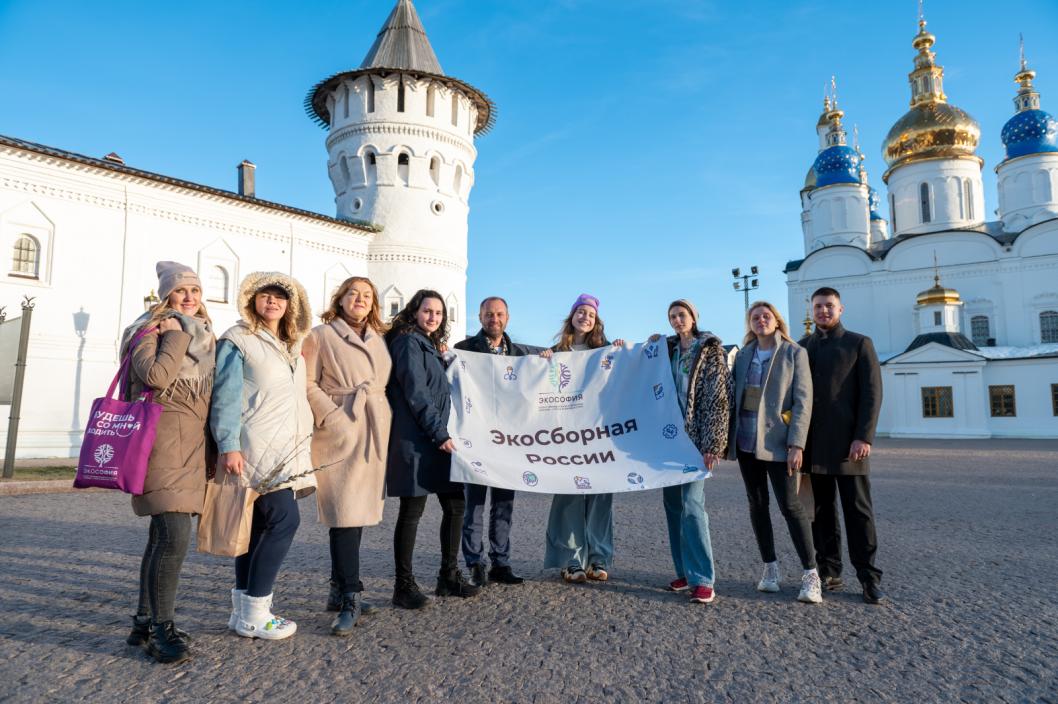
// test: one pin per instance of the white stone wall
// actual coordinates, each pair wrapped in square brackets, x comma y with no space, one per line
[1028,190]
[101,233]
[422,204]
[946,181]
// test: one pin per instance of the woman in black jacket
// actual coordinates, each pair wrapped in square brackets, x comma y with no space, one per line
[420,449]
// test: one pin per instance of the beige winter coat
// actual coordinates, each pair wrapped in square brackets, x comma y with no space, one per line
[347,380]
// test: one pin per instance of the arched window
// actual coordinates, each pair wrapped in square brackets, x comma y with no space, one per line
[403,163]
[370,168]
[892,210]
[217,284]
[435,170]
[452,307]
[25,260]
[1049,326]
[431,98]
[968,195]
[979,330]
[370,94]
[400,94]
[923,197]
[455,108]
[457,183]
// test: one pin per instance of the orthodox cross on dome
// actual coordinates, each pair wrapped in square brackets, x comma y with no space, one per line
[936,265]
[927,78]
[1027,98]
[836,134]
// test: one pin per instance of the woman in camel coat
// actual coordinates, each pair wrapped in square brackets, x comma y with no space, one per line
[349,365]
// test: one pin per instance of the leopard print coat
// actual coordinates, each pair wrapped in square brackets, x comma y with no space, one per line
[710,398]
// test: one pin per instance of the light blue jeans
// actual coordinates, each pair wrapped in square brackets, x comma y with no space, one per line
[580,531]
[692,550]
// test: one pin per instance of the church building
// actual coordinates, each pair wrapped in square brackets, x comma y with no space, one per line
[963,311]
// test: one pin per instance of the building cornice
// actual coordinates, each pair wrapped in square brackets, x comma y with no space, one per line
[398,128]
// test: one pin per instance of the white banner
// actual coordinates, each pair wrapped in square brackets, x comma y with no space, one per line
[594,422]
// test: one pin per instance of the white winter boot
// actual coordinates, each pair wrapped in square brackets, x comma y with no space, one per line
[256,620]
[236,606]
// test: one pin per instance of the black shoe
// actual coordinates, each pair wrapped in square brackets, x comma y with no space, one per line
[407,595]
[334,597]
[872,593]
[367,608]
[832,584]
[478,577]
[141,632]
[455,584]
[504,575]
[343,623]
[166,645]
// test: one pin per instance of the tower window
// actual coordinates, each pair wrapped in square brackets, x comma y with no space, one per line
[457,183]
[400,94]
[937,402]
[936,317]
[455,109]
[1049,326]
[979,330]
[403,162]
[1001,401]
[431,98]
[25,260]
[370,94]
[371,169]
[435,170]
[923,197]
[968,194]
[1054,399]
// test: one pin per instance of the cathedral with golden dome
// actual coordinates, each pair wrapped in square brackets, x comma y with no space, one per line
[976,353]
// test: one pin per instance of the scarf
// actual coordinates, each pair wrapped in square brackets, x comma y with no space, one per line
[194,380]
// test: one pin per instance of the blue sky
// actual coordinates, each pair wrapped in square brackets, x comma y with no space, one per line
[643,147]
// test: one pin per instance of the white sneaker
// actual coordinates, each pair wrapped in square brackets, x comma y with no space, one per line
[256,620]
[811,588]
[236,605]
[769,581]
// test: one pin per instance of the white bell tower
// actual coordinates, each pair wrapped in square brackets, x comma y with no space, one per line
[401,156]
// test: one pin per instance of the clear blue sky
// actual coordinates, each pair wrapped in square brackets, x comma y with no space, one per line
[643,147]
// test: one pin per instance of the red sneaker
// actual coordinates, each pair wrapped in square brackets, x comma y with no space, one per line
[678,585]
[702,594]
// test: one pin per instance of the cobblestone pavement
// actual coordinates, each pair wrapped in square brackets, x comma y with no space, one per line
[967,541]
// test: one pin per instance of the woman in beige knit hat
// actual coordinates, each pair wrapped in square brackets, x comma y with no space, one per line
[174,359]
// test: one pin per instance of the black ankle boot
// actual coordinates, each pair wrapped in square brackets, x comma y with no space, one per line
[348,615]
[166,645]
[141,632]
[455,584]
[407,595]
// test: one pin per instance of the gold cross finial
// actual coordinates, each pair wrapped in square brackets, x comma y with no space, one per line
[1021,50]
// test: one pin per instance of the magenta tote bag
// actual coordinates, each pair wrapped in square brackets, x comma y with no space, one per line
[119,437]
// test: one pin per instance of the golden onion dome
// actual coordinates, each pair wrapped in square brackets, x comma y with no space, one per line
[938,294]
[932,128]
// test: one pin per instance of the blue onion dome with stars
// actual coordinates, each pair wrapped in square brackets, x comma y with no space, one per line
[837,164]
[1031,130]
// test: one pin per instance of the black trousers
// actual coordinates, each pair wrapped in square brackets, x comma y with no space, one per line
[855,493]
[345,559]
[411,508]
[756,473]
[275,520]
[163,557]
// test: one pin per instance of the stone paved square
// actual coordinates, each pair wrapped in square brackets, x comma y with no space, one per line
[967,542]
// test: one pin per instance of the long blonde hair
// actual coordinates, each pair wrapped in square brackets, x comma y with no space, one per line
[374,316]
[160,310]
[780,322]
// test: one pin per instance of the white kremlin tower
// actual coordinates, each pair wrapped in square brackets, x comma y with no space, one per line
[401,156]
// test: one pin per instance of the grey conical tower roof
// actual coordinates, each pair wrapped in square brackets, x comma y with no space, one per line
[402,44]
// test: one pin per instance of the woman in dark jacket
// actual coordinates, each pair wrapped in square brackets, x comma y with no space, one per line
[420,449]
[173,355]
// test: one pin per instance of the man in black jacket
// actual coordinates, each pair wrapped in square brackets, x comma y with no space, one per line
[492,338]
[847,390]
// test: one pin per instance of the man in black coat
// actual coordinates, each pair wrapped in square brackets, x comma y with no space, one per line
[847,390]
[491,339]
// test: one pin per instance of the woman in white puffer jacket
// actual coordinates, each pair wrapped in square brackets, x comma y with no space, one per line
[261,420]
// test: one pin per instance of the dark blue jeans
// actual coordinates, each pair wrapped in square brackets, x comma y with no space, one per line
[275,520]
[499,525]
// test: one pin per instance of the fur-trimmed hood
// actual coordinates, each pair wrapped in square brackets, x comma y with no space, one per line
[298,310]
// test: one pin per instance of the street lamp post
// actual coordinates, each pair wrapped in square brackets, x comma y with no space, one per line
[745,282]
